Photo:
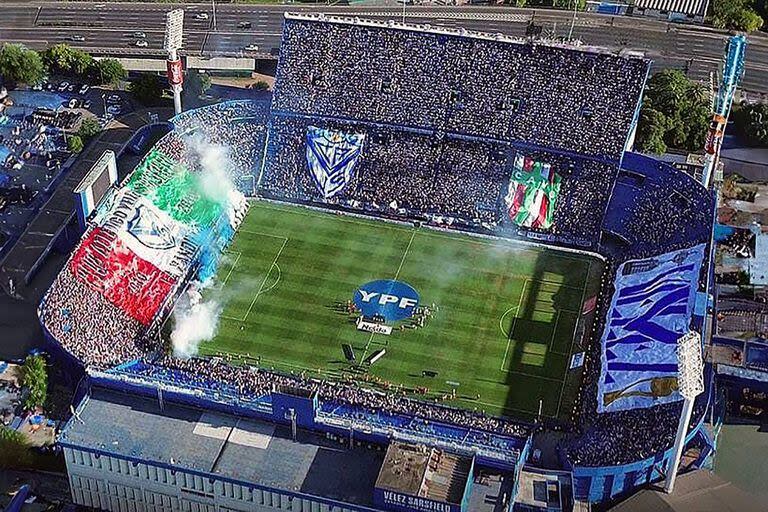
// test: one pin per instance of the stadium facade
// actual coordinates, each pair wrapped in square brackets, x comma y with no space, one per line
[458,131]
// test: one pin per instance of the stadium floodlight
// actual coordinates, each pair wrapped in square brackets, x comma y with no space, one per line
[174,29]
[690,382]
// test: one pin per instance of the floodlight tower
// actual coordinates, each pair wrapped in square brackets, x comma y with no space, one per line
[690,381]
[174,26]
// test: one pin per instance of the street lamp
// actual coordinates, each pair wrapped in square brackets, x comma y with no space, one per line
[690,382]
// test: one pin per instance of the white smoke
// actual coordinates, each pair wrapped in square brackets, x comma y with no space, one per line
[197,320]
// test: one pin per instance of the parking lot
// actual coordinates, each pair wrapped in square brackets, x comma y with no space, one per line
[35,124]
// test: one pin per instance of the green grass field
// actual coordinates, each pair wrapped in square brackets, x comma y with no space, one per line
[504,329]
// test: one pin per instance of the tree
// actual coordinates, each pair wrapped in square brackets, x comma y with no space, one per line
[736,15]
[62,59]
[752,123]
[675,113]
[196,85]
[89,128]
[34,377]
[75,143]
[14,452]
[650,131]
[20,65]
[147,89]
[261,85]
[108,71]
[568,4]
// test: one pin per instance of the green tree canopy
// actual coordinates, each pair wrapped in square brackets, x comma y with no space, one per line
[196,84]
[675,113]
[736,15]
[147,89]
[62,59]
[20,65]
[752,122]
[14,451]
[568,4]
[108,71]
[75,143]
[34,377]
[261,85]
[89,128]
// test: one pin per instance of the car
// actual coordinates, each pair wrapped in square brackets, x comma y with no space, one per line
[77,37]
[72,103]
[251,48]
[114,98]
[71,88]
[114,110]
[244,24]
[141,43]
[201,16]
[139,35]
[84,89]
[63,86]
[87,104]
[37,87]
[49,86]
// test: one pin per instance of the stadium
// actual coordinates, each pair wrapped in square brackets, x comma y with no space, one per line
[430,239]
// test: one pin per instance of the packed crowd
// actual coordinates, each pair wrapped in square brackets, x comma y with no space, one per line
[88,326]
[621,437]
[239,127]
[416,174]
[420,173]
[251,382]
[477,85]
[673,210]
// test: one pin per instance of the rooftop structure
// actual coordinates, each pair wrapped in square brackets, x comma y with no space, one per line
[425,473]
[221,445]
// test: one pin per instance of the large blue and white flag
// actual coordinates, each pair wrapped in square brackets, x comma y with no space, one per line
[650,310]
[332,156]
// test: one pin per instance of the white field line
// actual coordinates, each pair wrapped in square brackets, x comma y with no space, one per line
[269,271]
[512,327]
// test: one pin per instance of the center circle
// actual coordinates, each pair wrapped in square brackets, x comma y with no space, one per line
[387,298]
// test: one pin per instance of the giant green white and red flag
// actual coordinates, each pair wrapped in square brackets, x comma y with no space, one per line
[532,195]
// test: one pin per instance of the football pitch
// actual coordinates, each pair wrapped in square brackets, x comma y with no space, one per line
[503,327]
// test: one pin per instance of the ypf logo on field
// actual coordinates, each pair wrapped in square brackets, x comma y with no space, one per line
[393,300]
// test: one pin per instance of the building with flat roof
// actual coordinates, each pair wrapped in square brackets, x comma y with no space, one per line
[131,452]
[423,478]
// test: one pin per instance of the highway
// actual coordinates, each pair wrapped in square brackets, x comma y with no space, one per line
[108,28]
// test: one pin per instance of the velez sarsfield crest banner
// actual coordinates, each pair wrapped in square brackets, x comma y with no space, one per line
[332,156]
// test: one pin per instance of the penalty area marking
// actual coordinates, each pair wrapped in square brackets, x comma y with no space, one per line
[237,258]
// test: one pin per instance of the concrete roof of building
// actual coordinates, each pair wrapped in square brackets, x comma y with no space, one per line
[425,472]
[701,490]
[241,449]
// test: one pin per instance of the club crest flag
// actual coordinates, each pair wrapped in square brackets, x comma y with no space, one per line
[651,309]
[332,156]
[532,193]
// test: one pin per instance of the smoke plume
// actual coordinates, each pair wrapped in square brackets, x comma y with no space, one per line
[196,320]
